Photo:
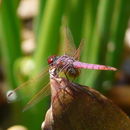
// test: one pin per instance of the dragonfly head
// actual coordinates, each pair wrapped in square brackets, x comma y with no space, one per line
[51,59]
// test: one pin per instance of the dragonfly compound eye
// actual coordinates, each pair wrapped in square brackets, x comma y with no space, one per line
[51,59]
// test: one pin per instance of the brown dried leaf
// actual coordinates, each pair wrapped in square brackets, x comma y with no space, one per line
[77,107]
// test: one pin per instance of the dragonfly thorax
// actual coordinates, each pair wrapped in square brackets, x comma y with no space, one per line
[64,64]
[65,59]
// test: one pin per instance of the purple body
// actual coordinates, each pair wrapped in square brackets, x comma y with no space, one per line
[78,64]
[70,61]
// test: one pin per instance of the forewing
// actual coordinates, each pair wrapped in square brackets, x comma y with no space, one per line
[78,51]
[69,43]
[45,91]
[29,87]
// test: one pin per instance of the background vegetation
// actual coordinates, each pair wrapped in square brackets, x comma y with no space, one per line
[102,23]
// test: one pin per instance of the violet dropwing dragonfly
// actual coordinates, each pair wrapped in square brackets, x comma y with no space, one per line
[68,63]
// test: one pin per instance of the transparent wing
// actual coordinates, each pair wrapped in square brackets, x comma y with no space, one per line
[69,43]
[77,52]
[29,87]
[45,91]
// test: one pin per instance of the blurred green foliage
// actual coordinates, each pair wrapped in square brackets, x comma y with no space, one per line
[102,23]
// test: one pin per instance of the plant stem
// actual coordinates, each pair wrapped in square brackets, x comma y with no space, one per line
[10,39]
[116,40]
[47,42]
[100,34]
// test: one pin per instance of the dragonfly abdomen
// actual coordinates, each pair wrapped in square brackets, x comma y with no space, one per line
[78,64]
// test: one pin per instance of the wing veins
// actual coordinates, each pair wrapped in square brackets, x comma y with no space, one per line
[77,52]
[69,41]
[34,79]
[45,91]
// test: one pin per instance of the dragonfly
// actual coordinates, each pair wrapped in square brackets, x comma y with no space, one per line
[67,64]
